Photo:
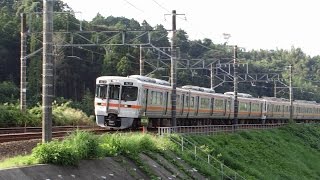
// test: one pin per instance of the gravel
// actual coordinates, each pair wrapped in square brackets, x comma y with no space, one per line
[11,149]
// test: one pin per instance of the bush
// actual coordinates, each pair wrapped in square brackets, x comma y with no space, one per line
[9,92]
[10,115]
[56,153]
[79,145]
[62,114]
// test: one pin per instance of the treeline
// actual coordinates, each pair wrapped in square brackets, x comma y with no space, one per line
[76,68]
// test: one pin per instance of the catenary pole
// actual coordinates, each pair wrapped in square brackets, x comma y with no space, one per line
[141,62]
[23,64]
[173,70]
[47,71]
[235,84]
[291,95]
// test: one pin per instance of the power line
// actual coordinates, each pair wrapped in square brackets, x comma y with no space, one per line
[134,6]
[161,6]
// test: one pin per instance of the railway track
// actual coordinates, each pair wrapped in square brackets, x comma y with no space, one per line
[13,130]
[15,135]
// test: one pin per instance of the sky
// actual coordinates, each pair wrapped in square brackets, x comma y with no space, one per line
[252,24]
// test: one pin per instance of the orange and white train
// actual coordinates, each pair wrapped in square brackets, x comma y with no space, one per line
[121,102]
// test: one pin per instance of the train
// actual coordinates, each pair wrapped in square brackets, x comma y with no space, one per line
[133,101]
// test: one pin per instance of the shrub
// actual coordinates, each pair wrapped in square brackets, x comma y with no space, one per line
[9,92]
[10,115]
[62,114]
[56,152]
[79,145]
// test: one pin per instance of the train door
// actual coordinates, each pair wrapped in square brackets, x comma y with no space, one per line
[264,110]
[188,103]
[250,109]
[225,107]
[182,104]
[166,98]
[196,106]
[211,106]
[145,101]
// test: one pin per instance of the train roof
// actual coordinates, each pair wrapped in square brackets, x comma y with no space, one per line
[197,88]
[245,95]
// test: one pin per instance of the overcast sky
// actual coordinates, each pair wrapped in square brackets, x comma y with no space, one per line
[252,24]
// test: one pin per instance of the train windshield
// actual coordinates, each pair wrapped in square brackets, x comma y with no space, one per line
[101,91]
[114,91]
[129,93]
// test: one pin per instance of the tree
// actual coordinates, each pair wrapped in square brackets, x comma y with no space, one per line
[124,67]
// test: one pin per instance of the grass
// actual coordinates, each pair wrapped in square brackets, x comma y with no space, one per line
[291,152]
[18,161]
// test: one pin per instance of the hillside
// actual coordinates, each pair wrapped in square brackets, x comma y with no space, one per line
[291,152]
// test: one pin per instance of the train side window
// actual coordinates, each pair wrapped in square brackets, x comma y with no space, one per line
[243,106]
[178,100]
[156,98]
[192,102]
[255,107]
[204,103]
[218,104]
[129,93]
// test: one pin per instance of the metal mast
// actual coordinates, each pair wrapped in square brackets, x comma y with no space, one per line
[212,75]
[173,70]
[23,65]
[47,71]
[141,62]
[291,95]
[235,84]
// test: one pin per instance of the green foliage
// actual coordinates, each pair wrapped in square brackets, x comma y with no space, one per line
[64,114]
[18,161]
[10,115]
[290,152]
[79,145]
[86,104]
[127,144]
[9,92]
[83,145]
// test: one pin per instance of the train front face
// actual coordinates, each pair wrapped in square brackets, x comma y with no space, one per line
[116,102]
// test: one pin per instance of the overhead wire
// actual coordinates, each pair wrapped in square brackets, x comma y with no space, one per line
[133,6]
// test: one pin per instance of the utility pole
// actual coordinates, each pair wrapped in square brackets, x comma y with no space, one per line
[173,70]
[212,75]
[141,62]
[275,88]
[23,65]
[47,71]
[291,95]
[235,84]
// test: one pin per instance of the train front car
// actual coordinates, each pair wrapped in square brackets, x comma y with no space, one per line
[116,102]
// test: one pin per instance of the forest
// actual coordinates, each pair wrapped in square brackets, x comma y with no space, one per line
[77,67]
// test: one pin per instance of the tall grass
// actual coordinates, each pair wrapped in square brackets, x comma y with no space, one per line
[63,114]
[291,152]
[83,145]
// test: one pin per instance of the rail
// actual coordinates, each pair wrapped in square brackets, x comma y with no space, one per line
[38,135]
[12,130]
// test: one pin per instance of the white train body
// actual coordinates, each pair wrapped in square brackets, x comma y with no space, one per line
[120,102]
